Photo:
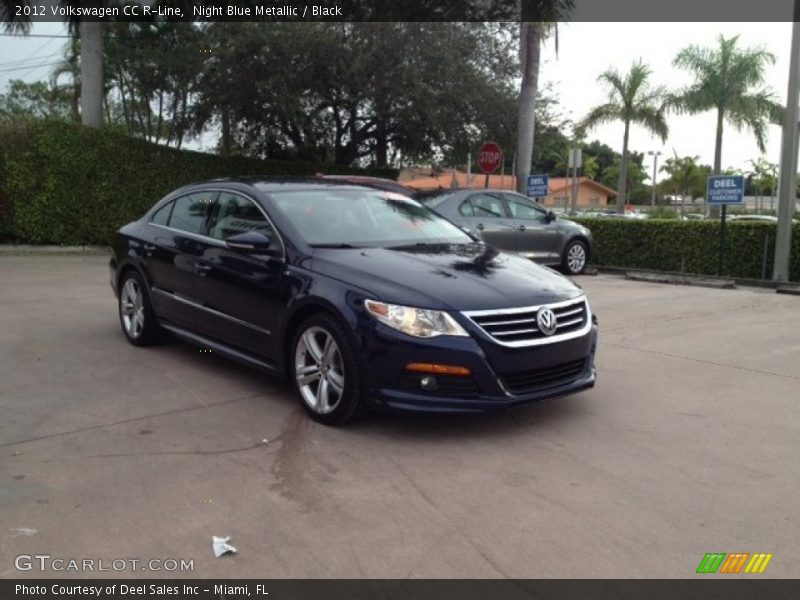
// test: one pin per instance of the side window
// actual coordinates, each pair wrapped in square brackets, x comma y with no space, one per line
[236,214]
[189,212]
[487,205]
[523,210]
[161,216]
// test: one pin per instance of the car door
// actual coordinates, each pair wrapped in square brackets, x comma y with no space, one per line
[242,295]
[170,253]
[485,215]
[537,236]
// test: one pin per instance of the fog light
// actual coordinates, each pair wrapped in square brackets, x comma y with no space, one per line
[428,383]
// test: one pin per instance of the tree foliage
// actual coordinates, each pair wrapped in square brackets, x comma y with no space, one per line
[729,80]
[151,71]
[356,92]
[38,100]
[633,101]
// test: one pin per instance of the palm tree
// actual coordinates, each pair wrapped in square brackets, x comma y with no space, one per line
[729,80]
[632,100]
[683,174]
[531,36]
[91,44]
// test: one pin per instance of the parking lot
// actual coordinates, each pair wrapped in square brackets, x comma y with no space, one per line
[688,444]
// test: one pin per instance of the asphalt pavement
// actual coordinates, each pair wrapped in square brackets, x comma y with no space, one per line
[689,444]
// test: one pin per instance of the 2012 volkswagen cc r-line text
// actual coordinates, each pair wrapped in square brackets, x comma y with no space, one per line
[361,297]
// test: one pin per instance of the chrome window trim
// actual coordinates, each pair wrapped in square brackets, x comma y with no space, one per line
[197,236]
[215,241]
[211,310]
[553,339]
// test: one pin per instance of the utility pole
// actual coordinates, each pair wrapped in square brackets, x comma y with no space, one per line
[655,156]
[575,161]
[787,186]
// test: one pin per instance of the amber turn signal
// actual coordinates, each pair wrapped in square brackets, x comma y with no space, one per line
[437,369]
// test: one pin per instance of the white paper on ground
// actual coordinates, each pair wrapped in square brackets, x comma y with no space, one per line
[221,546]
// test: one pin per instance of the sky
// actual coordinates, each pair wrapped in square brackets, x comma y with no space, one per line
[585,51]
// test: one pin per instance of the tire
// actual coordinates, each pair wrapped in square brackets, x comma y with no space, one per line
[136,316]
[575,257]
[329,387]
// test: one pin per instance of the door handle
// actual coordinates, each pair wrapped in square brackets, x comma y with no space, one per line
[149,247]
[202,268]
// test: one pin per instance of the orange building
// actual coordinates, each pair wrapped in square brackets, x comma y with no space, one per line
[591,194]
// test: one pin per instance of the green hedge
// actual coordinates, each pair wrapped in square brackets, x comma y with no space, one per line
[61,183]
[688,246]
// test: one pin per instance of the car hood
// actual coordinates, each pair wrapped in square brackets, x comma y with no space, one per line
[446,276]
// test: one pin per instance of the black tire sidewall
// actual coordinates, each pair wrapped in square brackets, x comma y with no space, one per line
[151,328]
[350,406]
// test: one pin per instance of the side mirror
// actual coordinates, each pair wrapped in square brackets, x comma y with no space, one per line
[551,216]
[250,242]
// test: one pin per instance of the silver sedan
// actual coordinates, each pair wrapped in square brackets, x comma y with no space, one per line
[514,223]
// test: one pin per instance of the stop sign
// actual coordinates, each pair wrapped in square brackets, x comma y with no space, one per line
[489,157]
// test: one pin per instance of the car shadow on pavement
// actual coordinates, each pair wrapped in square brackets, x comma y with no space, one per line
[438,427]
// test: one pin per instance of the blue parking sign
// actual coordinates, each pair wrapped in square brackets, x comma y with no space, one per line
[538,186]
[725,189]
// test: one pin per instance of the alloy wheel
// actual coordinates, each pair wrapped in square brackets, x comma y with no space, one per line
[319,370]
[576,258]
[131,306]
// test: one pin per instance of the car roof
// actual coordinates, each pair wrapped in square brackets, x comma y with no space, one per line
[279,183]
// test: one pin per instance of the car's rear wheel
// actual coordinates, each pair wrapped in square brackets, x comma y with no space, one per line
[575,257]
[135,311]
[325,370]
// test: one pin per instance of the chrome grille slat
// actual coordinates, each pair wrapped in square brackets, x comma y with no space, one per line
[559,325]
[515,332]
[568,313]
[571,315]
[515,322]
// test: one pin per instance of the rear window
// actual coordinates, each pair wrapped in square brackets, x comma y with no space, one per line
[189,212]
[161,216]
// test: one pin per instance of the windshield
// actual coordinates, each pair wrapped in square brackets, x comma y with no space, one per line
[364,218]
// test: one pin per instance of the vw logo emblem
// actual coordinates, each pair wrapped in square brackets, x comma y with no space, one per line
[546,320]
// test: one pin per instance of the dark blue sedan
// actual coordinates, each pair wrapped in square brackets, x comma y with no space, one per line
[362,297]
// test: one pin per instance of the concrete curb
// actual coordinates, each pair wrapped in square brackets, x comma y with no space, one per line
[27,249]
[738,281]
[793,290]
[723,284]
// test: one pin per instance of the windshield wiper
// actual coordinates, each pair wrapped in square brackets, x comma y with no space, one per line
[342,245]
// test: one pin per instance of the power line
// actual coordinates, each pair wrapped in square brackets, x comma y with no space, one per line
[23,61]
[30,67]
[34,35]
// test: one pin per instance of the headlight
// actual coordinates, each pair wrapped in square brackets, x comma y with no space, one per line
[419,322]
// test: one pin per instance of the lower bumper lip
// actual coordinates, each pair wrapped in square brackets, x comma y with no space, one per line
[409,401]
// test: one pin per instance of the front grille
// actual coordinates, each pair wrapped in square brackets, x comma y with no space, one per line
[517,326]
[537,380]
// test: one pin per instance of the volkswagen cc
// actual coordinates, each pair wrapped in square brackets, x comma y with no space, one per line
[361,297]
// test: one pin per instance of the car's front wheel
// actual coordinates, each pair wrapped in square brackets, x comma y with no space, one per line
[135,311]
[325,370]
[575,257]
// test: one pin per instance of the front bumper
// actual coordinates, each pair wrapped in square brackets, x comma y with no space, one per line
[388,352]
